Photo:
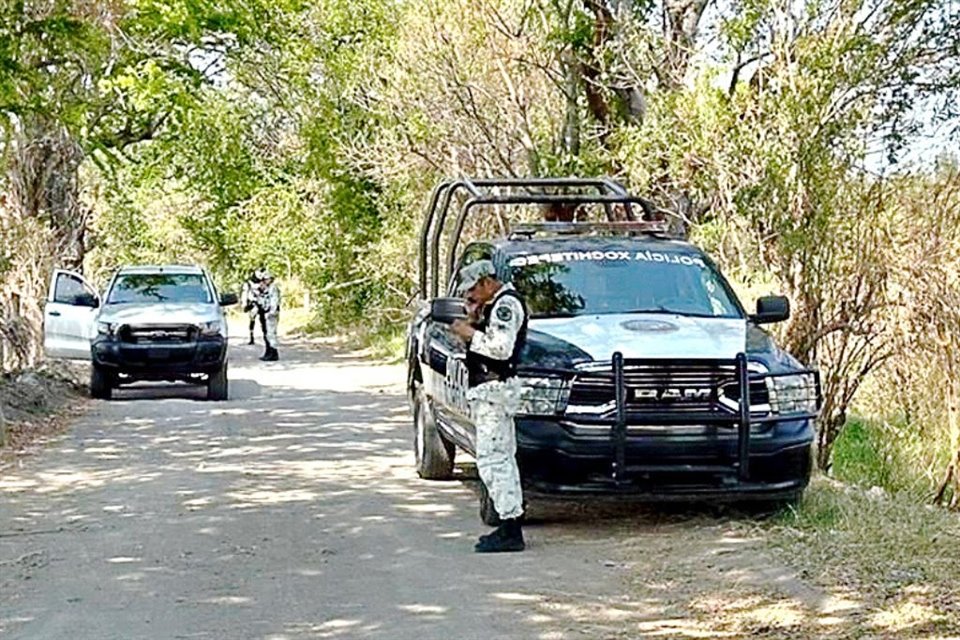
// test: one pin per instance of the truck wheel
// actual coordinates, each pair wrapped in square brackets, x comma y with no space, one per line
[434,454]
[488,514]
[217,385]
[101,383]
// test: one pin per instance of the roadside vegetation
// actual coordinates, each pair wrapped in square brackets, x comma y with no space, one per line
[32,404]
[889,555]
[807,146]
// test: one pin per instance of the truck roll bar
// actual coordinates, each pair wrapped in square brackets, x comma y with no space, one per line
[520,191]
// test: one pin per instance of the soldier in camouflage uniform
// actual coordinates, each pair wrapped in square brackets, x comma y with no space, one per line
[494,346]
[250,299]
[270,305]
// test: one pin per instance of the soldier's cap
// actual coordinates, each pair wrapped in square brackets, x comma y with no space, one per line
[474,273]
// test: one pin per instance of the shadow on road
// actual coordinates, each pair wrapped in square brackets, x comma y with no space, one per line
[240,389]
[293,511]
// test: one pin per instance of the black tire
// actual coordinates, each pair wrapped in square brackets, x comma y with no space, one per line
[488,513]
[218,387]
[434,455]
[101,383]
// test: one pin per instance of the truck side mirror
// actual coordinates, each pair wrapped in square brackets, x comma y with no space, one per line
[446,310]
[86,300]
[771,309]
[227,299]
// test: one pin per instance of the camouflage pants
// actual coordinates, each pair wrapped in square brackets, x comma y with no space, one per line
[272,319]
[492,406]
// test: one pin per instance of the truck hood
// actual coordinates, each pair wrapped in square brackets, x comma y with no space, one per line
[159,313]
[648,335]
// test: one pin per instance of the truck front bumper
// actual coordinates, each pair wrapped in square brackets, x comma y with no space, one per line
[160,360]
[663,464]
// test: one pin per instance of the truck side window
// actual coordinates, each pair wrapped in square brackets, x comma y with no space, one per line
[69,289]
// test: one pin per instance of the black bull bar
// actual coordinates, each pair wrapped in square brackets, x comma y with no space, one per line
[742,418]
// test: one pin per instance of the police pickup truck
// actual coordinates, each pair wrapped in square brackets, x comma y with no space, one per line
[642,374]
[153,323]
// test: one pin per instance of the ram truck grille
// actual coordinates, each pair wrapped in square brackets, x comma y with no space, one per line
[664,388]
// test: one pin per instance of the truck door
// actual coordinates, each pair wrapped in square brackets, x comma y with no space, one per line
[448,356]
[69,316]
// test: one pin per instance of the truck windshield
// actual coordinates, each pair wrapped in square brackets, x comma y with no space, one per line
[597,282]
[160,287]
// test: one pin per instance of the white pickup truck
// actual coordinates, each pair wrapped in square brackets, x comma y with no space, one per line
[153,323]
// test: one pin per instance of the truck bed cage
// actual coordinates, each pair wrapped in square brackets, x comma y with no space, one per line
[643,227]
[511,191]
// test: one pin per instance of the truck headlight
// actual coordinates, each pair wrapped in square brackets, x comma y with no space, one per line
[214,328]
[107,328]
[543,396]
[794,393]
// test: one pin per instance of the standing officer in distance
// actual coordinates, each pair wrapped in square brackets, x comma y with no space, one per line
[270,304]
[250,299]
[493,351]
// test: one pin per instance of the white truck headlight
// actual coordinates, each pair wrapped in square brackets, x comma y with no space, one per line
[107,328]
[543,396]
[214,328]
[793,394]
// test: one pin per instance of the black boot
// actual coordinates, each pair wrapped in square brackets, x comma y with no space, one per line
[251,339]
[507,537]
[499,530]
[489,537]
[266,353]
[272,355]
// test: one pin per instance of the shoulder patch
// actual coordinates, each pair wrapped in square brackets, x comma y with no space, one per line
[504,313]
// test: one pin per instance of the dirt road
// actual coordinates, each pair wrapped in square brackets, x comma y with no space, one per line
[293,511]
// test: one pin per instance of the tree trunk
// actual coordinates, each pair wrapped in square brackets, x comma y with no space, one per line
[951,480]
[571,124]
[47,223]
[681,23]
[44,179]
[828,428]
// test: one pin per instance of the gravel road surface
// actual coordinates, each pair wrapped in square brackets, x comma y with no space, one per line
[291,511]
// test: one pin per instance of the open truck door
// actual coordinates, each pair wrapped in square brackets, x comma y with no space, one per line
[69,316]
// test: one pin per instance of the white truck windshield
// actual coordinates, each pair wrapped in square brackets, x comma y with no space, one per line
[145,288]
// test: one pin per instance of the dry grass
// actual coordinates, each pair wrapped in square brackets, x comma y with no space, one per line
[899,558]
[845,564]
[881,545]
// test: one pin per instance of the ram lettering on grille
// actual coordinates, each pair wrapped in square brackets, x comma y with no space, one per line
[664,387]
[672,394]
